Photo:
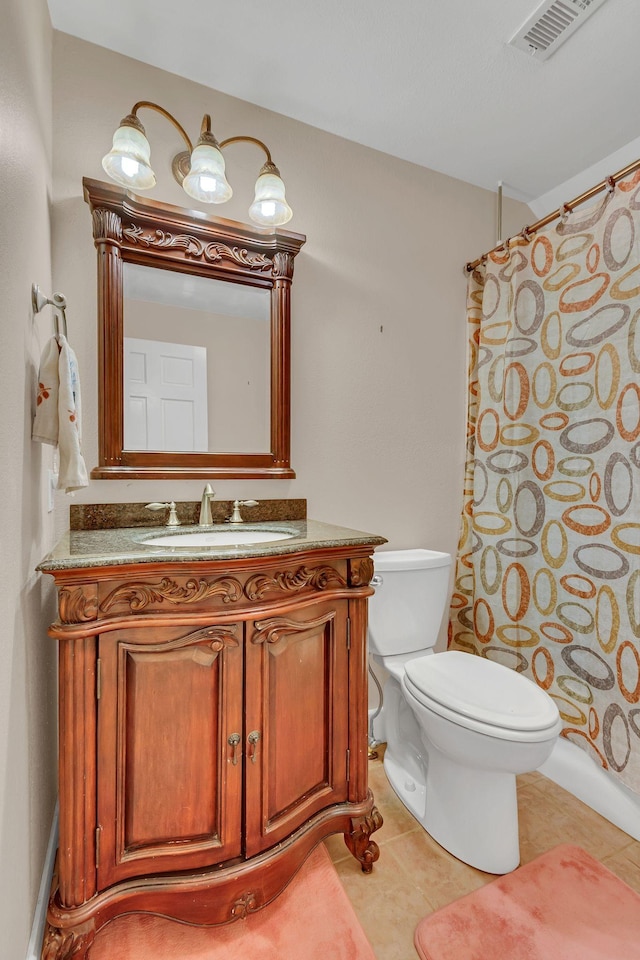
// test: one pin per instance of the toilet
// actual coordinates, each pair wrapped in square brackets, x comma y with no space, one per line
[458,727]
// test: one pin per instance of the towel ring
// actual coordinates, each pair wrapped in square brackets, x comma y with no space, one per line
[58,301]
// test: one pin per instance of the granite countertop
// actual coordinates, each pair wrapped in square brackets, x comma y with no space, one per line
[80,549]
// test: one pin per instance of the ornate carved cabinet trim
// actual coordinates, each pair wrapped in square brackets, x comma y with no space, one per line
[78,604]
[360,572]
[59,945]
[290,581]
[279,628]
[217,638]
[139,595]
[243,906]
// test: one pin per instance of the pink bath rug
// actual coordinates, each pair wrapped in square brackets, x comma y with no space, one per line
[312,919]
[564,905]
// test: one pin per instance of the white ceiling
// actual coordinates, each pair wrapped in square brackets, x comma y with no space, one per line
[431,82]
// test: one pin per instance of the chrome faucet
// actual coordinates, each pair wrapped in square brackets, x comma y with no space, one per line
[236,516]
[205,506]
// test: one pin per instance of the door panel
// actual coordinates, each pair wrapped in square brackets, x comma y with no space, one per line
[162,776]
[165,396]
[297,664]
[169,796]
[297,700]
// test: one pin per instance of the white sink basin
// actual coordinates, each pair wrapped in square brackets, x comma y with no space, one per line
[218,538]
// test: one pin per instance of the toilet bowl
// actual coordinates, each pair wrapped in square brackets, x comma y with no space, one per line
[459,728]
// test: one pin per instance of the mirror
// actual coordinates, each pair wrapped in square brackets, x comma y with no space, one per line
[176,393]
[193,342]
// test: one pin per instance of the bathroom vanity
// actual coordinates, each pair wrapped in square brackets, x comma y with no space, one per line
[212,721]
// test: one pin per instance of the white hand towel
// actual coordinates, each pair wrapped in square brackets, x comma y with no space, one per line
[73,472]
[58,412]
[45,424]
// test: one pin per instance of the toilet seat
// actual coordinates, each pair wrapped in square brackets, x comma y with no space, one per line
[482,695]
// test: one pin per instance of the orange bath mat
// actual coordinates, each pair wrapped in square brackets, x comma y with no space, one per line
[313,919]
[563,905]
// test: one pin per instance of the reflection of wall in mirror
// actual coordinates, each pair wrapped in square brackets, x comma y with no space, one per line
[238,368]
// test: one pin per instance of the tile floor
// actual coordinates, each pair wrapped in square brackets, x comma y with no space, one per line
[415,876]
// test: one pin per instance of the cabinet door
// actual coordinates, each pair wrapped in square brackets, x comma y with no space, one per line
[297,711]
[169,774]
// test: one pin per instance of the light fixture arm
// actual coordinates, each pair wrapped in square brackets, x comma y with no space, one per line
[269,166]
[206,136]
[165,113]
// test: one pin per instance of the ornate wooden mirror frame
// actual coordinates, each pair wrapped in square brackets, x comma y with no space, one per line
[127,229]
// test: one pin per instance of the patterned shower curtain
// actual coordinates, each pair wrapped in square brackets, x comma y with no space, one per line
[548,567]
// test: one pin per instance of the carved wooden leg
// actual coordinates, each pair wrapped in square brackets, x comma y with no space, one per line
[358,842]
[67,944]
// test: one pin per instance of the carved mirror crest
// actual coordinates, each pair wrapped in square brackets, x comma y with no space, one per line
[193,342]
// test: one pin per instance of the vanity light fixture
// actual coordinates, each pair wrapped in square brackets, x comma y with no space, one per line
[200,170]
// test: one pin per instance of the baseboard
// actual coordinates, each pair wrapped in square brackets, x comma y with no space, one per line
[34,950]
[574,770]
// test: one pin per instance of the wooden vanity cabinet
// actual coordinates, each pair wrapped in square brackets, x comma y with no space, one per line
[212,732]
[192,742]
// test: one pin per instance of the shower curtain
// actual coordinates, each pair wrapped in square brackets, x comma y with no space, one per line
[548,567]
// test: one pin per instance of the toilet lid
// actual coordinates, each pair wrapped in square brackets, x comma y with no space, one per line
[482,690]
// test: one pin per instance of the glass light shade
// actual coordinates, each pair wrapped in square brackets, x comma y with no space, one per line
[206,180]
[270,208]
[128,160]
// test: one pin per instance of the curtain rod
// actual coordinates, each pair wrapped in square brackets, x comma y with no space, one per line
[561,211]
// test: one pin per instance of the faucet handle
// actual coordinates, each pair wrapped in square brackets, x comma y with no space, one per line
[236,517]
[172,520]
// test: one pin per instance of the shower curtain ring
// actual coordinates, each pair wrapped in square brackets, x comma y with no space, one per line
[470,267]
[526,234]
[611,185]
[565,210]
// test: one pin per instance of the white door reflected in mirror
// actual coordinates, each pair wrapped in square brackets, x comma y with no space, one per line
[165,403]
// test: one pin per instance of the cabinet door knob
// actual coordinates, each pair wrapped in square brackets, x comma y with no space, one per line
[233,740]
[253,738]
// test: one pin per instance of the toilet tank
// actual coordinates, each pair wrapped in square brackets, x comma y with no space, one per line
[405,613]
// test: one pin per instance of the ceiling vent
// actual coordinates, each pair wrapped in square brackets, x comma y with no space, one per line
[551,24]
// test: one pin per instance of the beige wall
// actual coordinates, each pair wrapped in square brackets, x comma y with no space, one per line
[377,414]
[27,655]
